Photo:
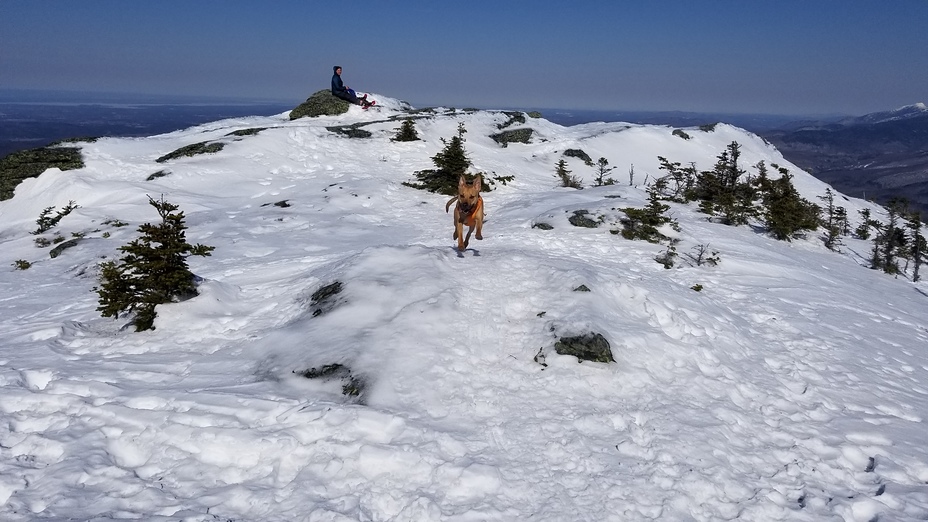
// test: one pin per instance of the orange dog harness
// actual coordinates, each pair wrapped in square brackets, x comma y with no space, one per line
[471,218]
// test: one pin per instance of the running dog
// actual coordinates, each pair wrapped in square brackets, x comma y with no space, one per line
[468,211]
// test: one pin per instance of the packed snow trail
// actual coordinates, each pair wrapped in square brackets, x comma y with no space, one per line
[792,386]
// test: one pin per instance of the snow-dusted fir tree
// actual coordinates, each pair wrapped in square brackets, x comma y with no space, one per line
[866,223]
[450,164]
[918,247]
[830,220]
[603,168]
[785,212]
[453,158]
[723,192]
[567,180]
[407,131]
[153,270]
[890,240]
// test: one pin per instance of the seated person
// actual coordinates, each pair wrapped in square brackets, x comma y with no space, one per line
[340,90]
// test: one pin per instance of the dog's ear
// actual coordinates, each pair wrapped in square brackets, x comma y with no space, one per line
[462,183]
[477,181]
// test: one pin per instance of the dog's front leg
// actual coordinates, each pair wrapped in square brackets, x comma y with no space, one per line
[462,242]
[467,239]
[459,234]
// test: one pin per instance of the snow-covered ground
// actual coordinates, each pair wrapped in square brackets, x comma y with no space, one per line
[793,386]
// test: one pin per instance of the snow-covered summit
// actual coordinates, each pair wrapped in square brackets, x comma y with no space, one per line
[788,382]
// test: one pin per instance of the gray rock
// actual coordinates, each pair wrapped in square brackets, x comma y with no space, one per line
[55,252]
[321,103]
[579,219]
[588,347]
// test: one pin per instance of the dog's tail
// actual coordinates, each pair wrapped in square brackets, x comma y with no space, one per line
[448,204]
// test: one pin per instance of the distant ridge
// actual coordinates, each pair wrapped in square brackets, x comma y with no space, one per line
[909,111]
[879,156]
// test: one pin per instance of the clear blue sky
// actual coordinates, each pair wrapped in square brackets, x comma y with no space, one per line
[735,56]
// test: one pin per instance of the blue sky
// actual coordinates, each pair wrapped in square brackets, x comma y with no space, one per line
[745,56]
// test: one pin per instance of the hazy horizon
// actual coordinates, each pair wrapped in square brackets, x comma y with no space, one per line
[71,97]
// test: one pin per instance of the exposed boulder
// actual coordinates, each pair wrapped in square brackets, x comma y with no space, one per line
[588,347]
[351,131]
[514,118]
[247,132]
[204,147]
[55,252]
[504,138]
[23,164]
[321,103]
[580,219]
[326,298]
[580,154]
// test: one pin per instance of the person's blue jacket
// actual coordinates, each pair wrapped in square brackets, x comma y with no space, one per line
[337,86]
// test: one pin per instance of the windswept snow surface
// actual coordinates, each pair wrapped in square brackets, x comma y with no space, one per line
[793,386]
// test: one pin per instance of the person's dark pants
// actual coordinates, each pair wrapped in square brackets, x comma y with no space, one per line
[348,97]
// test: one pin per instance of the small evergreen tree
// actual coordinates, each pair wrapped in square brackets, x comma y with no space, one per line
[785,212]
[679,181]
[742,209]
[407,131]
[668,257]
[844,226]
[876,262]
[46,221]
[890,241]
[895,246]
[918,247]
[560,170]
[451,163]
[722,192]
[829,220]
[453,158]
[866,223]
[603,168]
[644,223]
[727,167]
[153,270]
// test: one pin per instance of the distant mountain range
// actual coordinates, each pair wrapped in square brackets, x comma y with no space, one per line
[903,113]
[877,156]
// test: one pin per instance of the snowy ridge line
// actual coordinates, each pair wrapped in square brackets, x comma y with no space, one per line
[792,386]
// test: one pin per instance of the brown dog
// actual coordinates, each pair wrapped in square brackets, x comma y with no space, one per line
[468,211]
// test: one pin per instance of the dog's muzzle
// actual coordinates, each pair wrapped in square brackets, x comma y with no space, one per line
[464,211]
